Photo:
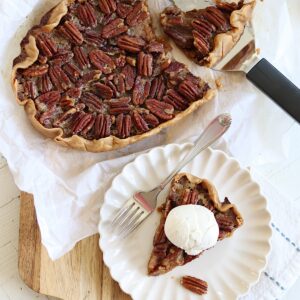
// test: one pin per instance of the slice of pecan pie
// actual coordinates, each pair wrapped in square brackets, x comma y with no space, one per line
[93,76]
[188,189]
[207,35]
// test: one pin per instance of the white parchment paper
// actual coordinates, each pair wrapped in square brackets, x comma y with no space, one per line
[69,185]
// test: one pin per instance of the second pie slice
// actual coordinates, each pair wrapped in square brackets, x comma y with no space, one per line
[187,189]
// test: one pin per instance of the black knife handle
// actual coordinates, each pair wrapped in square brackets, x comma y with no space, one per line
[274,84]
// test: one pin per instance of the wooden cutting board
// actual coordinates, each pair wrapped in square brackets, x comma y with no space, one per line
[79,275]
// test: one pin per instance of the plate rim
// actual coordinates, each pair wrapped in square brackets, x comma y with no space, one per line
[182,146]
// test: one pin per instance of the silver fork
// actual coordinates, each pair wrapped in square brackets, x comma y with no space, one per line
[142,204]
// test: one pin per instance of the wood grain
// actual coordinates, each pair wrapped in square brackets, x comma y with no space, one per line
[79,275]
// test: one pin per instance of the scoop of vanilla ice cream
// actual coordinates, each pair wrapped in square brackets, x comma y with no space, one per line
[192,228]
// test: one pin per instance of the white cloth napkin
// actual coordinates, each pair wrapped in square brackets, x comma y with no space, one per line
[68,185]
[283,267]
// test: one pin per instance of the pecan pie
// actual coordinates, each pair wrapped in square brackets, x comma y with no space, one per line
[207,35]
[93,76]
[188,189]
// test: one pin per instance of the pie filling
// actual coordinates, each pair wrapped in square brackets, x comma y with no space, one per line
[187,189]
[194,31]
[101,72]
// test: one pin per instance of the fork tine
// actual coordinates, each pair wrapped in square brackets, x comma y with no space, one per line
[131,229]
[122,212]
[131,222]
[130,213]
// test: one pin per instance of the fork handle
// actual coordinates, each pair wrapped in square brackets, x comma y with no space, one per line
[210,134]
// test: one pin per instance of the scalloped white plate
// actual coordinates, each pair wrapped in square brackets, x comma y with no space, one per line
[230,268]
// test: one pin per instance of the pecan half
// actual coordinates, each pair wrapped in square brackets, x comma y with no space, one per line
[59,78]
[30,89]
[88,126]
[49,98]
[64,55]
[131,43]
[176,100]
[189,197]
[145,64]
[46,44]
[81,58]
[102,126]
[194,285]
[102,61]
[119,106]
[123,10]
[151,120]
[114,28]
[155,47]
[157,88]
[107,6]
[129,73]
[92,37]
[140,91]
[140,124]
[86,14]
[217,18]
[44,83]
[119,83]
[137,15]
[92,102]
[74,93]
[201,43]
[120,61]
[225,222]
[190,89]
[71,32]
[82,121]
[160,236]
[47,116]
[123,124]
[88,77]
[161,109]
[36,71]
[72,71]
[103,90]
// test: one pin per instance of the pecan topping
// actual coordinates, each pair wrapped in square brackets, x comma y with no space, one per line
[71,32]
[45,84]
[103,90]
[176,100]
[190,89]
[82,121]
[145,64]
[46,117]
[139,122]
[49,98]
[81,58]
[107,6]
[120,61]
[92,102]
[131,43]
[119,107]
[74,93]
[102,126]
[161,109]
[102,61]
[88,77]
[46,45]
[94,38]
[114,28]
[72,71]
[59,78]
[86,14]
[63,55]
[30,89]
[217,18]
[155,47]
[157,88]
[151,120]
[137,15]
[123,124]
[194,285]
[129,73]
[123,10]
[36,71]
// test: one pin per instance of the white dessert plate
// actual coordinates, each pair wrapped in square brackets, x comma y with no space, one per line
[230,268]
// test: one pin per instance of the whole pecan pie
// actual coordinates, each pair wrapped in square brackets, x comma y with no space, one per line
[93,76]
[187,189]
[207,35]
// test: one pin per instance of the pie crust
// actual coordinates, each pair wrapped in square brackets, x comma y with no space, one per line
[30,56]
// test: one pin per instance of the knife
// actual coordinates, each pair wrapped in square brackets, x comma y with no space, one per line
[244,57]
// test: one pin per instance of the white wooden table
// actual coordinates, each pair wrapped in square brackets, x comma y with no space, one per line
[12,287]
